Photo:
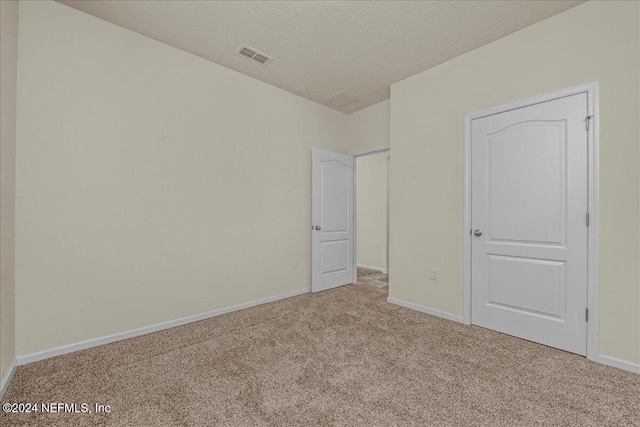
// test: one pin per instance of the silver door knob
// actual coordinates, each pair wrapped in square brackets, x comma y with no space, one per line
[317,227]
[477,232]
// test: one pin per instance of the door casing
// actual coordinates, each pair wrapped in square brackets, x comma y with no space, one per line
[591,89]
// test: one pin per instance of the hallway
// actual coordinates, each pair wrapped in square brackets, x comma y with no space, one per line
[373,279]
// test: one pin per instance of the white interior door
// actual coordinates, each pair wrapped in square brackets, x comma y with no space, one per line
[332,220]
[528,215]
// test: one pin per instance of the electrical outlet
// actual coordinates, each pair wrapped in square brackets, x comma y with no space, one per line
[435,274]
[294,262]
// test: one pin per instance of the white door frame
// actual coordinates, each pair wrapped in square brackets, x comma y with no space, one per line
[376,150]
[591,89]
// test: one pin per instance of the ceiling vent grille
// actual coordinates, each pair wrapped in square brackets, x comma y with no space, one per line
[342,99]
[254,55]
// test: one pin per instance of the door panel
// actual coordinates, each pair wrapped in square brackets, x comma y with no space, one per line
[529,199]
[528,285]
[334,181]
[332,217]
[527,182]
[333,256]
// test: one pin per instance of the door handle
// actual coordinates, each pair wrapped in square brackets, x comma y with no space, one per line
[316,227]
[477,232]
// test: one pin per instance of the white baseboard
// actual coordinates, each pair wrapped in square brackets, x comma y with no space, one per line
[619,363]
[4,383]
[371,267]
[431,311]
[57,351]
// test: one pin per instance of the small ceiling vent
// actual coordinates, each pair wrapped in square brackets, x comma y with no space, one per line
[253,55]
[342,99]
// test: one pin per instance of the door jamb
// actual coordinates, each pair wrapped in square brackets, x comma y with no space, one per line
[375,150]
[591,89]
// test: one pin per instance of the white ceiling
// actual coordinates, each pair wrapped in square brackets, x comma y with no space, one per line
[322,47]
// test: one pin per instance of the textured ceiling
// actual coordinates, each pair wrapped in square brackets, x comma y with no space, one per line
[322,47]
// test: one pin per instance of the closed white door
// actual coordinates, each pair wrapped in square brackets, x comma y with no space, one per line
[529,223]
[332,220]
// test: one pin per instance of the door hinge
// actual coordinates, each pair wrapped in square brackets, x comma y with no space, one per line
[586,314]
[587,120]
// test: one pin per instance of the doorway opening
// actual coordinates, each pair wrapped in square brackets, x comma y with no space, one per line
[371,249]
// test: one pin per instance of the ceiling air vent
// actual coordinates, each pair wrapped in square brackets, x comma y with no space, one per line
[253,55]
[342,99]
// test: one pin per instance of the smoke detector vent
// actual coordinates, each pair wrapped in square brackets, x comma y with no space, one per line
[342,99]
[254,55]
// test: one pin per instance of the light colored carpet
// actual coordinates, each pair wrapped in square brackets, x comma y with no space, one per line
[344,357]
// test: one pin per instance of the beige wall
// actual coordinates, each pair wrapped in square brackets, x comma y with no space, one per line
[371,202]
[8,75]
[594,41]
[151,184]
[369,128]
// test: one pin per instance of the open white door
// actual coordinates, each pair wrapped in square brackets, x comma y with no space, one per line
[332,220]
